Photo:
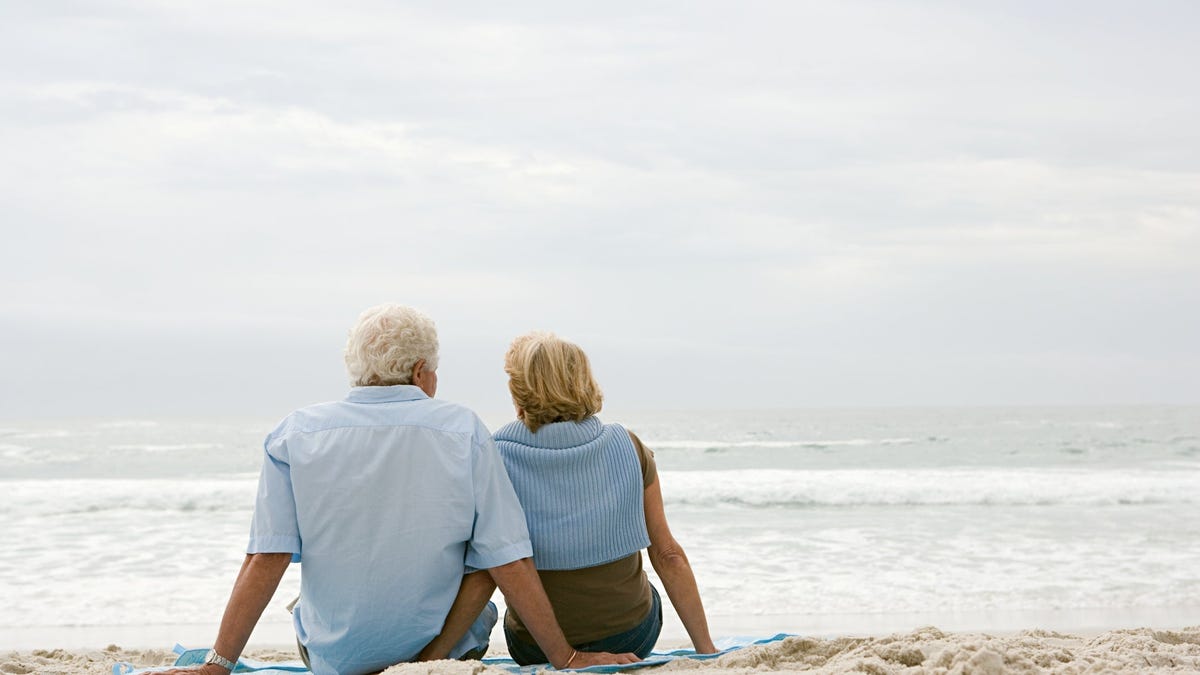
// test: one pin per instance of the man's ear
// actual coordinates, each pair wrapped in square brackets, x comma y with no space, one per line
[417,368]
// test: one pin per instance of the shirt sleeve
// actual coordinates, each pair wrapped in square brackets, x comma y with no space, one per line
[646,460]
[274,528]
[500,535]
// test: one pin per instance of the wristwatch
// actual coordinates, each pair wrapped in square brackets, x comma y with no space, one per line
[216,659]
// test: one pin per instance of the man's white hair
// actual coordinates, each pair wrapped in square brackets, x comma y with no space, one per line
[387,342]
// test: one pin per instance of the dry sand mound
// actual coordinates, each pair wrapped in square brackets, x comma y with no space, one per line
[929,650]
[925,650]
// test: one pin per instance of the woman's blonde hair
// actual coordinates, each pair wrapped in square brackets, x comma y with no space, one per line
[550,380]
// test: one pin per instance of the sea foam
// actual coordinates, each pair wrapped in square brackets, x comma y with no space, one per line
[940,487]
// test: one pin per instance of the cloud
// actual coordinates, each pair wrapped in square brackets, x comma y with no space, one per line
[887,188]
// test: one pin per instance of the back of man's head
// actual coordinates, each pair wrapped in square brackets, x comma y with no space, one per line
[385,344]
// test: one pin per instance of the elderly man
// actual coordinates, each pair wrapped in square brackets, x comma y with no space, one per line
[398,507]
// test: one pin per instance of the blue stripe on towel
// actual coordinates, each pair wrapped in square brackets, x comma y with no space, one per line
[190,657]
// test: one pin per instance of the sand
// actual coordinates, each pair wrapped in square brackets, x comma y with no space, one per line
[925,650]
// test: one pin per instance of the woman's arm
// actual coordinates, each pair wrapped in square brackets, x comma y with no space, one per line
[672,566]
[473,595]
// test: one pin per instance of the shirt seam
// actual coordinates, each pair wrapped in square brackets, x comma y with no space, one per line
[505,552]
[373,426]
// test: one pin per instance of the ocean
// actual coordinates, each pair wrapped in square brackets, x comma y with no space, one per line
[810,521]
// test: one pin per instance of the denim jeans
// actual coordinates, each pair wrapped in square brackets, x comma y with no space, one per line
[640,639]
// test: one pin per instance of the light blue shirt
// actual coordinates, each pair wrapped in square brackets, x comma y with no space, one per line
[385,498]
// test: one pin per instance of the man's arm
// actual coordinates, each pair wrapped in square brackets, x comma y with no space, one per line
[473,594]
[255,585]
[523,592]
[501,534]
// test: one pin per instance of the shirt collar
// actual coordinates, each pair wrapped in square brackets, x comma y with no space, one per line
[398,392]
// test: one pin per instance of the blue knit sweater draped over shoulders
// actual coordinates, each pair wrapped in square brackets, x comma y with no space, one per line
[580,484]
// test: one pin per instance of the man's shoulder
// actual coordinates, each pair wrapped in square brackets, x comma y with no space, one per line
[430,413]
[449,416]
[309,418]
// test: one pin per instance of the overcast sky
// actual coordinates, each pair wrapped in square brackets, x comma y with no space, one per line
[750,204]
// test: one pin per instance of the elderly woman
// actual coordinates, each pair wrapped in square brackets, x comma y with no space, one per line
[592,500]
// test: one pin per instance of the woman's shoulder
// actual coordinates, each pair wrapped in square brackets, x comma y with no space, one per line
[515,429]
[645,459]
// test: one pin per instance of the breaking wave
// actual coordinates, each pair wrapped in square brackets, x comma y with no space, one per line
[760,488]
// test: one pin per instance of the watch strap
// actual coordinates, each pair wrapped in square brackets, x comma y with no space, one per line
[216,659]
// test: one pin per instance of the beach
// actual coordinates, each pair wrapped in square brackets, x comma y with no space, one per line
[844,526]
[924,650]
[895,295]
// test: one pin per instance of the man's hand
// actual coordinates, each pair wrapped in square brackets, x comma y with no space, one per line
[256,583]
[523,591]
[585,659]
